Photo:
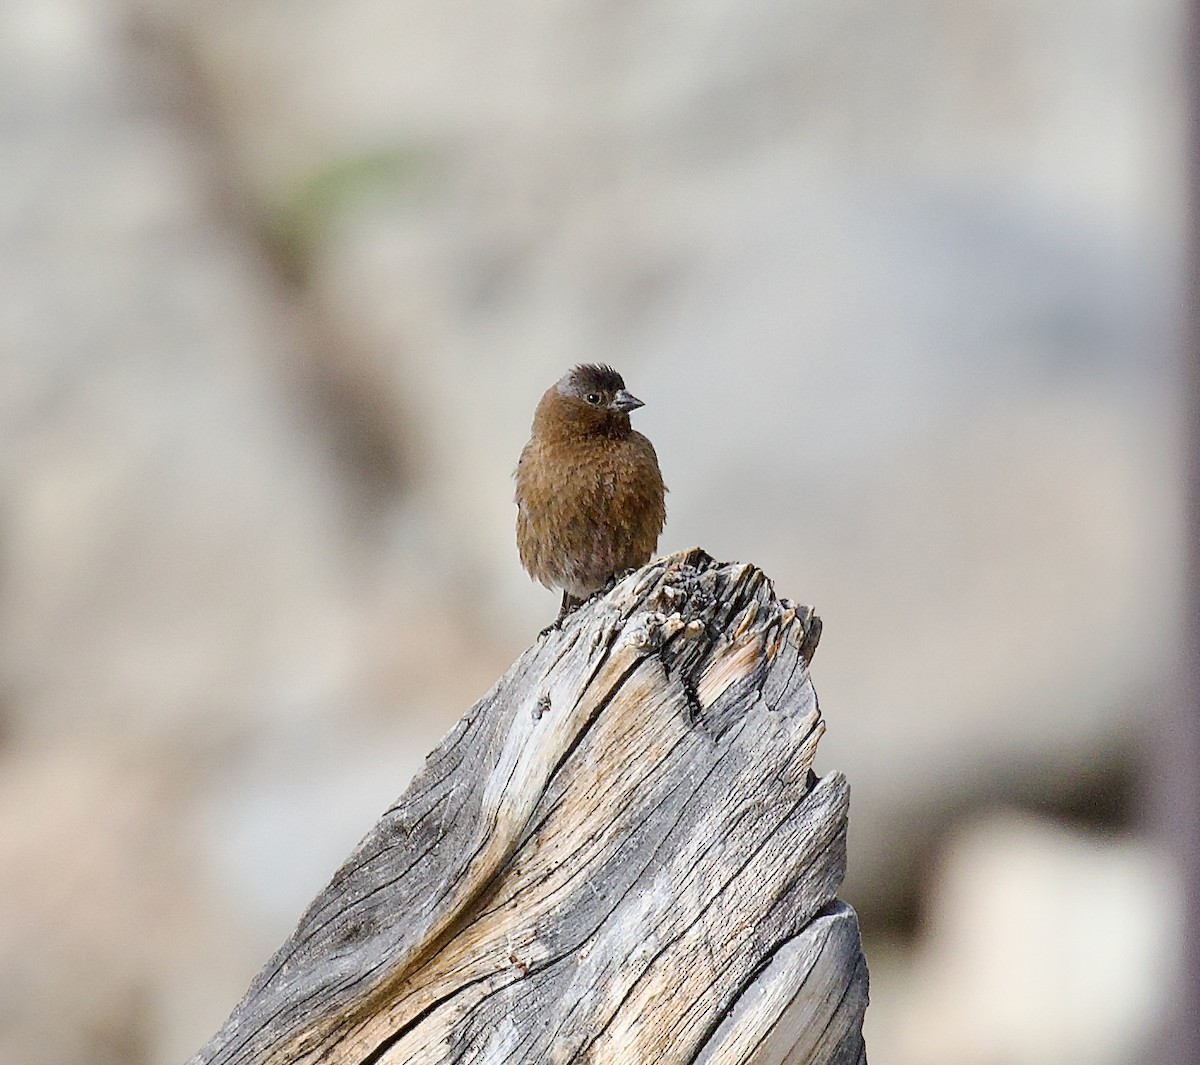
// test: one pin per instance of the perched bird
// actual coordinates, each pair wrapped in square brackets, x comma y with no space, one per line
[589,490]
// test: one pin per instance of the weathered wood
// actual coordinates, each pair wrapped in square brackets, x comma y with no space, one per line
[620,854]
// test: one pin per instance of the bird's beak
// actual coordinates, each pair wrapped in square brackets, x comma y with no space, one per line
[625,401]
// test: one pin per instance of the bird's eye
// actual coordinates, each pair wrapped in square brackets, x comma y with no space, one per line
[593,398]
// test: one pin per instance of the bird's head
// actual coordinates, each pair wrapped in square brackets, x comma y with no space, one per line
[594,397]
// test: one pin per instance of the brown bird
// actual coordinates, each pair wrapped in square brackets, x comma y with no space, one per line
[589,490]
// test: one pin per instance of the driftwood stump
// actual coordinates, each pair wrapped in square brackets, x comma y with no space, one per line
[620,854]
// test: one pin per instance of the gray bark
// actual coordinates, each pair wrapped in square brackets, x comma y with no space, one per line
[620,854]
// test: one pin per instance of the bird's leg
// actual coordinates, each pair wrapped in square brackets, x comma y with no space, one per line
[569,603]
[598,593]
[604,589]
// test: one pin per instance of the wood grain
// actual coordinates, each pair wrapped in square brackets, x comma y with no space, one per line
[620,854]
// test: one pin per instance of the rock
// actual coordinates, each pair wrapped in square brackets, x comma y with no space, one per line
[1043,945]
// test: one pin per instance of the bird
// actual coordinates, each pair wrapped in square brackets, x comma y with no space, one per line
[589,494]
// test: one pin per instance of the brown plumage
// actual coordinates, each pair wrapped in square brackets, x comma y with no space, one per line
[589,491]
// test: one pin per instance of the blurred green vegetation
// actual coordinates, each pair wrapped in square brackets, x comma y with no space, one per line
[298,222]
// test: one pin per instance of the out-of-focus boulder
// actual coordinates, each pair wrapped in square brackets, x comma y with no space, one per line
[1042,945]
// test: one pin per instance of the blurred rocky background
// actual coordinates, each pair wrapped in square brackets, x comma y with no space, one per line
[899,281]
